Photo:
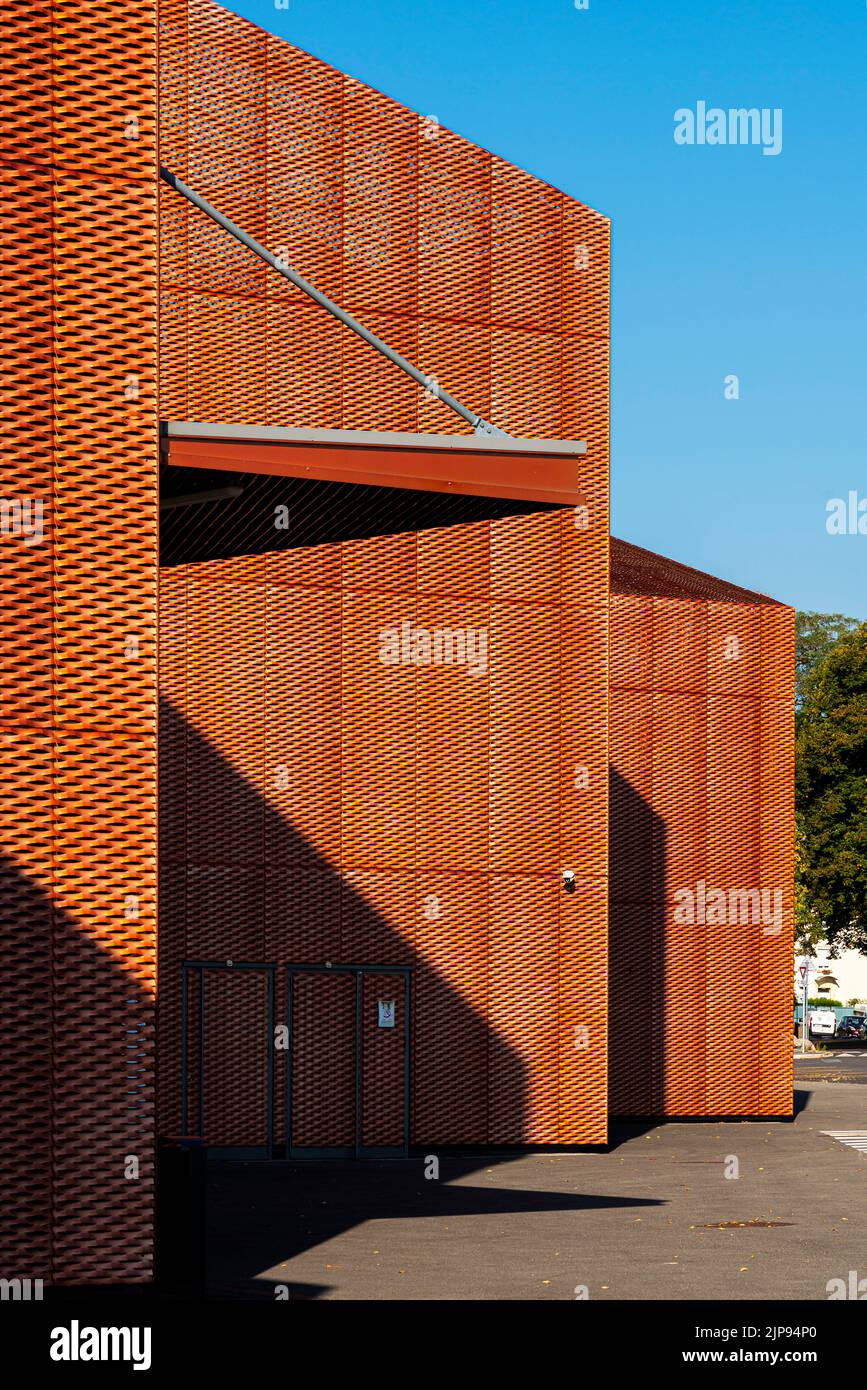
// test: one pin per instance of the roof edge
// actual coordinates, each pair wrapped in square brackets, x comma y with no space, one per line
[644,573]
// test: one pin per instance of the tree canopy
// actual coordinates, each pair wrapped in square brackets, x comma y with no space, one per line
[831,789]
[815,635]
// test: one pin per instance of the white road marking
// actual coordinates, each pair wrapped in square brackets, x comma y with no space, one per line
[852,1138]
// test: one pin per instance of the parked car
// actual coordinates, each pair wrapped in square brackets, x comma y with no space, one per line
[823,1023]
[852,1026]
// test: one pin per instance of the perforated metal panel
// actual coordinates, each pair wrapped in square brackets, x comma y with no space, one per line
[79,674]
[229,1053]
[493,282]
[404,813]
[702,678]
[323,1061]
[388,798]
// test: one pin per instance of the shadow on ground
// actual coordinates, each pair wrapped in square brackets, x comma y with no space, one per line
[262,1215]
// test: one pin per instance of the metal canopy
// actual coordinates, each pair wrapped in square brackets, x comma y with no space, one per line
[538,470]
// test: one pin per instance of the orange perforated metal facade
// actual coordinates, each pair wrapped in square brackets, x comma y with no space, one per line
[322,804]
[79,552]
[491,281]
[496,285]
[702,716]
[317,803]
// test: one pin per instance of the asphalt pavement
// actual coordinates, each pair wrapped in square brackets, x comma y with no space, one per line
[728,1211]
[833,1065]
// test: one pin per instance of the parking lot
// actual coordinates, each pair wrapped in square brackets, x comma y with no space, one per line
[676,1211]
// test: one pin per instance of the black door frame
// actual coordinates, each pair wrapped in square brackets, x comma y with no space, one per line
[359,1149]
[202,966]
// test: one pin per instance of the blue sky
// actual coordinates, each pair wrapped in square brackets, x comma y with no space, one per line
[726,261]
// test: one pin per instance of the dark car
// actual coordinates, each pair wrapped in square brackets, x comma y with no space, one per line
[852,1026]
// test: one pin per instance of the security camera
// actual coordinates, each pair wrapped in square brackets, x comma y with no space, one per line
[569,880]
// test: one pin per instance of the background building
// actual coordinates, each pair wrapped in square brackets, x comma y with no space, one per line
[842,977]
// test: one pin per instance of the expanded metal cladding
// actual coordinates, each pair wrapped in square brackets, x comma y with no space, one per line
[79,642]
[469,792]
[701,717]
[322,805]
[490,280]
[496,285]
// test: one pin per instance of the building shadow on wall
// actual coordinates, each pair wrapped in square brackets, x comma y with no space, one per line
[636,1039]
[640,1014]
[77,1034]
[262,1215]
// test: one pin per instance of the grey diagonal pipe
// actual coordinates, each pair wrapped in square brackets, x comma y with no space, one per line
[480,425]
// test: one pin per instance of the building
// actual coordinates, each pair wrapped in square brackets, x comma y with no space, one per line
[842,976]
[434,762]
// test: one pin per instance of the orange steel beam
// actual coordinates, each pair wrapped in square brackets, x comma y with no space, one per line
[538,477]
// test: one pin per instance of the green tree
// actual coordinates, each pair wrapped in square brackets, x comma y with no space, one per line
[809,930]
[831,792]
[815,635]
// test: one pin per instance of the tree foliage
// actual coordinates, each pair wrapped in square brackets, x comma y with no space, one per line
[809,930]
[831,790]
[815,635]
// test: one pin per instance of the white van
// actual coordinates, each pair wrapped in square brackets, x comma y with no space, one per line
[823,1023]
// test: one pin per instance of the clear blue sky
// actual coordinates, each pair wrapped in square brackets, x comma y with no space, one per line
[725,260]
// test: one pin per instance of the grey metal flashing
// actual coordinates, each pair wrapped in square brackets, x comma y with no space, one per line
[367,439]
